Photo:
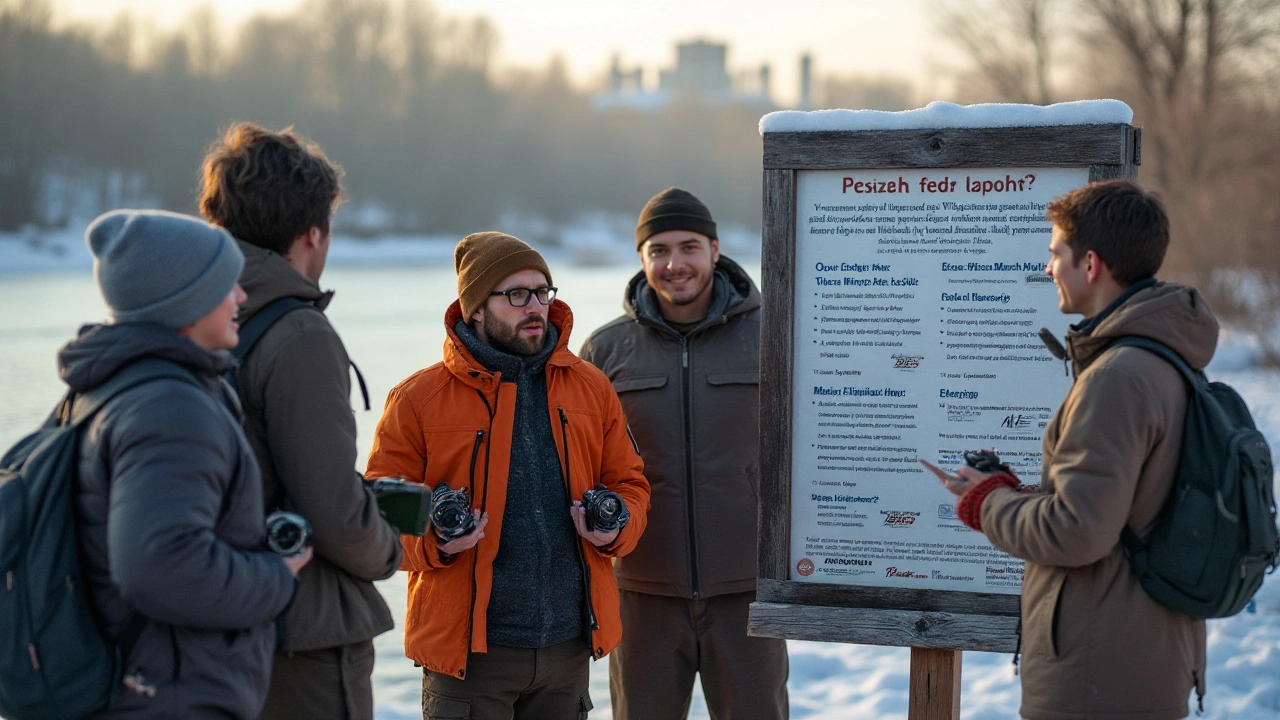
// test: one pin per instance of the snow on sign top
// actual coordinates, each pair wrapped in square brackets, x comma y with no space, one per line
[950,115]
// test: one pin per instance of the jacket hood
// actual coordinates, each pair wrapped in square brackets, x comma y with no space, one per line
[268,276]
[744,296]
[100,350]
[1173,314]
[467,368]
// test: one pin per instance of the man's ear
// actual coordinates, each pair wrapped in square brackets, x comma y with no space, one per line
[307,242]
[1094,267]
[715,250]
[478,315]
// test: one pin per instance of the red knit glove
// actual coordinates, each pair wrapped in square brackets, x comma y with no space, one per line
[969,509]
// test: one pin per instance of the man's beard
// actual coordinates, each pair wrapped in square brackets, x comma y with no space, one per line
[508,339]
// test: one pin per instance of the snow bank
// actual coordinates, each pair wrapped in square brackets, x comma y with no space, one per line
[950,115]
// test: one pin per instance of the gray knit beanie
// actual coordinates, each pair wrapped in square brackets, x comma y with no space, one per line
[162,267]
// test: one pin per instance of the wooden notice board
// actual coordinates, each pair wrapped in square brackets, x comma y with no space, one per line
[903,283]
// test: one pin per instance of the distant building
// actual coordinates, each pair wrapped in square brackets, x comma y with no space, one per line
[701,72]
[806,82]
[700,68]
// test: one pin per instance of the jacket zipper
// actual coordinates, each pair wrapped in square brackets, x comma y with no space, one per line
[582,558]
[690,500]
[475,451]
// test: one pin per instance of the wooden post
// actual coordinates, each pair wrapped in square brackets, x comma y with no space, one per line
[935,684]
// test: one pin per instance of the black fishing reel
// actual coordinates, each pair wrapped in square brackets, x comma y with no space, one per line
[451,512]
[287,533]
[985,461]
[604,510]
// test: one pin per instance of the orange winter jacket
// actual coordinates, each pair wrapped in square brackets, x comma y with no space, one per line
[453,423]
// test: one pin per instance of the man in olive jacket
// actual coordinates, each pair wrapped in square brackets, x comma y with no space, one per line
[1094,644]
[685,362]
[275,193]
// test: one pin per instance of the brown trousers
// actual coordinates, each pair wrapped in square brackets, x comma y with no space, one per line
[548,683]
[328,683]
[666,640]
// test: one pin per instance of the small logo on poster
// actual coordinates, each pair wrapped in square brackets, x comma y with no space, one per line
[947,511]
[906,362]
[805,567]
[896,573]
[899,518]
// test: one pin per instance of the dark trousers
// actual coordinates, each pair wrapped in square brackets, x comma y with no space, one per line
[328,683]
[548,683]
[666,640]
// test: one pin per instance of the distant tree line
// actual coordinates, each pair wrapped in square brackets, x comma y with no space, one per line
[408,101]
[1203,79]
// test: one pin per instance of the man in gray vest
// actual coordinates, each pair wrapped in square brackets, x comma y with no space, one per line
[685,362]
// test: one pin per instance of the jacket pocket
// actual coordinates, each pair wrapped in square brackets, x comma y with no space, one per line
[644,382]
[1043,608]
[736,378]
[441,707]
[584,706]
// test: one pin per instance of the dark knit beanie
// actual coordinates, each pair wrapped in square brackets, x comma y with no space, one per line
[674,209]
[156,266]
[484,259]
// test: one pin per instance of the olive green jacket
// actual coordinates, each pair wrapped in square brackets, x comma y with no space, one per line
[296,385]
[693,406]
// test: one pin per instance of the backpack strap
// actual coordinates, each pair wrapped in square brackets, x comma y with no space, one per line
[1193,377]
[364,389]
[1128,537]
[255,327]
[136,373]
[252,330]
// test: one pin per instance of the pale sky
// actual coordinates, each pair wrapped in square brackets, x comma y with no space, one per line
[846,37]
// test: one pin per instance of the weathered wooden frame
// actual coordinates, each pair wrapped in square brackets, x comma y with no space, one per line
[847,613]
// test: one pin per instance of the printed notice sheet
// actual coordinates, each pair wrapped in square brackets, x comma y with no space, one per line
[919,296]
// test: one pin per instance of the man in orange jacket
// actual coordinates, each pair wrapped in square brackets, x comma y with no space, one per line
[503,617]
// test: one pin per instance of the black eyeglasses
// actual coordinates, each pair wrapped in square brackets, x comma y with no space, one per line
[519,297]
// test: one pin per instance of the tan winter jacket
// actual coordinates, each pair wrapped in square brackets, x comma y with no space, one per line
[693,404]
[1094,644]
[296,385]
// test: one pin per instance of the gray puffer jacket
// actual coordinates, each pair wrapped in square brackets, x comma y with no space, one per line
[169,509]
[693,405]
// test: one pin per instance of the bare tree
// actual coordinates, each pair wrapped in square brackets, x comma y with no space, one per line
[1011,44]
[1183,57]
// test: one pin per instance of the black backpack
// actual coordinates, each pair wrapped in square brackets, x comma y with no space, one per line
[54,661]
[1215,539]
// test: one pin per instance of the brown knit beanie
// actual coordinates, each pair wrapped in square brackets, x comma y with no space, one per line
[484,259]
[674,209]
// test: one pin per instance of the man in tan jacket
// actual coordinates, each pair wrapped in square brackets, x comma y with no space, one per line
[1094,644]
